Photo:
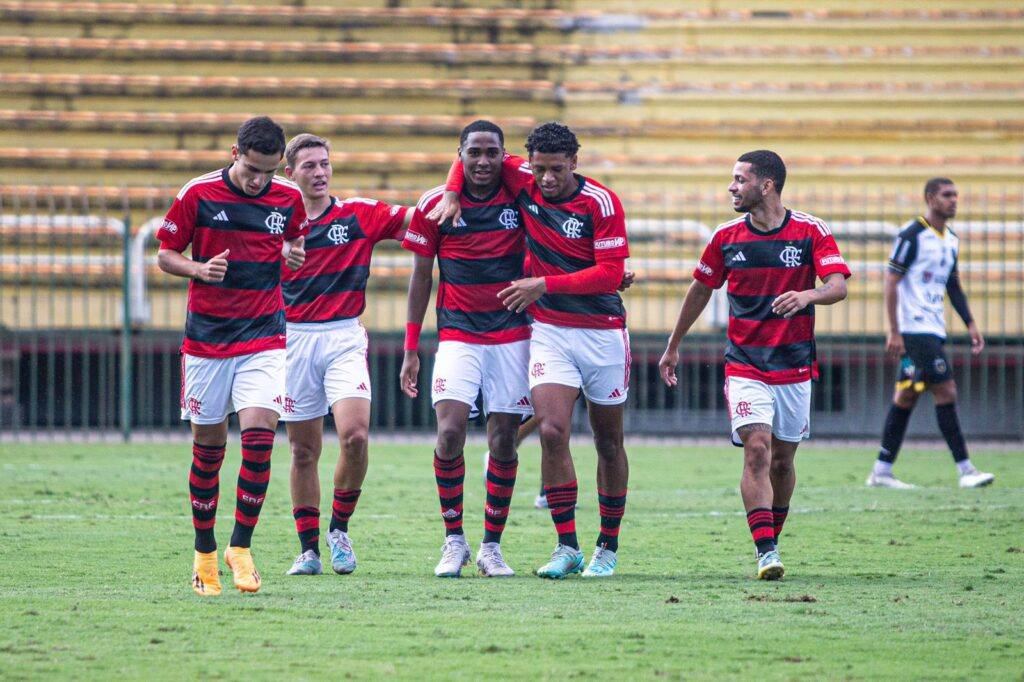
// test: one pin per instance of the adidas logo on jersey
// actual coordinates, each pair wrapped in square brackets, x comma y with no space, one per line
[523,402]
[615,394]
[739,258]
[362,387]
[222,216]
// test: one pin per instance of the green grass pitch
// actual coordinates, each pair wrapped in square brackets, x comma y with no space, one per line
[880,584]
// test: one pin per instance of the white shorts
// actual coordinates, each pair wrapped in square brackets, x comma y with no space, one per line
[596,360]
[785,407]
[326,362]
[213,388]
[462,370]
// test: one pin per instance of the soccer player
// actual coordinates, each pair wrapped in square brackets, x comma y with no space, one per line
[576,233]
[770,256]
[482,346]
[240,221]
[327,348]
[922,270]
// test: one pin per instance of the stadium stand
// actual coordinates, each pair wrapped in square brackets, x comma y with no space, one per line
[109,106]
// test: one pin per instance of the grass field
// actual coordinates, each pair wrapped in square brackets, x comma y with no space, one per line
[924,584]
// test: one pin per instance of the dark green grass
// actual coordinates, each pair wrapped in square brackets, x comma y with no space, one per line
[925,584]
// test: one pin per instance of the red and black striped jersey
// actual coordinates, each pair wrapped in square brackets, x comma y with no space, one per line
[244,313]
[759,267]
[568,236]
[331,284]
[477,258]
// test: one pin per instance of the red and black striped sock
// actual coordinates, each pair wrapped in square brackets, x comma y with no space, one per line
[611,507]
[450,475]
[345,501]
[562,503]
[307,524]
[762,528]
[779,515]
[253,479]
[204,491]
[501,481]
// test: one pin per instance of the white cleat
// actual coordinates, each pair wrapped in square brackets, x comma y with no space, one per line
[887,481]
[976,479]
[455,554]
[490,563]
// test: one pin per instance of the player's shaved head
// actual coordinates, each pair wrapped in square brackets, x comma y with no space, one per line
[481,126]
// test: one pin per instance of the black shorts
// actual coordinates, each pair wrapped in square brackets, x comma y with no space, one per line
[924,362]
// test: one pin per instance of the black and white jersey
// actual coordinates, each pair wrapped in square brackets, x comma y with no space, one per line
[926,258]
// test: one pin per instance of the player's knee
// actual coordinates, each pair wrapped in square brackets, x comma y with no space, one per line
[354,440]
[756,457]
[304,455]
[553,436]
[450,440]
[782,467]
[608,446]
[944,393]
[502,446]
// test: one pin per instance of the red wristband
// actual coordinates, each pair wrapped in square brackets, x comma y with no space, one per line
[412,335]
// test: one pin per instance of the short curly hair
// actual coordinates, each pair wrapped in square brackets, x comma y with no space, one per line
[766,164]
[552,138]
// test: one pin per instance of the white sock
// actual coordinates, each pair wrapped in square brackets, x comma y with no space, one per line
[965,467]
[882,468]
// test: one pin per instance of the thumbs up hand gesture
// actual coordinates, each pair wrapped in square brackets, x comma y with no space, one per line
[295,252]
[214,270]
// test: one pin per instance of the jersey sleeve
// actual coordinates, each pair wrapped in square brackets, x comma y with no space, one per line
[610,241]
[179,223]
[827,259]
[298,226]
[904,251]
[422,237]
[386,221]
[710,268]
[515,173]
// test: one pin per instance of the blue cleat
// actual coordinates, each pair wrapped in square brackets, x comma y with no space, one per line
[307,563]
[564,561]
[602,564]
[769,566]
[343,559]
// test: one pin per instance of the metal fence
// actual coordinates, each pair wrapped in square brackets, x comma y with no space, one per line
[90,328]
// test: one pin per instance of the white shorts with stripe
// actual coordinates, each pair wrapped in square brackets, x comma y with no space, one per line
[213,388]
[595,360]
[463,370]
[785,407]
[326,363]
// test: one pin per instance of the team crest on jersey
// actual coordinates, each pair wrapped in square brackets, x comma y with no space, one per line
[790,256]
[537,370]
[275,222]
[572,228]
[743,409]
[338,233]
[192,405]
[439,385]
[940,366]
[509,219]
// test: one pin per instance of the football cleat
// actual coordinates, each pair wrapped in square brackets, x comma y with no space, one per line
[769,566]
[239,560]
[887,481]
[490,563]
[307,563]
[564,561]
[976,479]
[541,502]
[343,559]
[206,574]
[455,554]
[602,564]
